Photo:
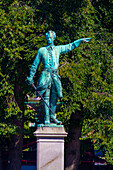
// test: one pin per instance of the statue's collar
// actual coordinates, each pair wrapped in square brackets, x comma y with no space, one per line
[50,47]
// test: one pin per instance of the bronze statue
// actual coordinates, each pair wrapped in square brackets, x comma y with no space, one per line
[49,84]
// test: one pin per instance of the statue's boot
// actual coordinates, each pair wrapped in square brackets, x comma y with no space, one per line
[53,108]
[54,119]
[46,111]
[47,120]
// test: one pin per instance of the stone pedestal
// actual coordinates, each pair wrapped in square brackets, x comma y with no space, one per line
[50,148]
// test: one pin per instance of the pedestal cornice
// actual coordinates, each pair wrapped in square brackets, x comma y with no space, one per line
[51,132]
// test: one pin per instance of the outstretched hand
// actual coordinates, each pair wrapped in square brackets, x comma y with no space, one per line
[86,39]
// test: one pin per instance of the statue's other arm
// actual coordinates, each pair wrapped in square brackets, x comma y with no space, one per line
[71,46]
[34,68]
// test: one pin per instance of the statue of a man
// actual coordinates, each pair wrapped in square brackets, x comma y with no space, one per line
[49,84]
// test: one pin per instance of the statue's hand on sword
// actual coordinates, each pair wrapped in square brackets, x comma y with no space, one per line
[29,80]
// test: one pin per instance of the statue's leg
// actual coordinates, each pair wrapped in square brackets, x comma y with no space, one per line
[53,102]
[46,109]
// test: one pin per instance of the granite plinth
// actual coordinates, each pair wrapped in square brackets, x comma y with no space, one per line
[50,148]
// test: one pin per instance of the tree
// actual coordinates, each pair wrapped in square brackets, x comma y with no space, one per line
[86,72]
[89,80]
[18,42]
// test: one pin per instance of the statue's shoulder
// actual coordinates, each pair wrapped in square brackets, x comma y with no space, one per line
[42,49]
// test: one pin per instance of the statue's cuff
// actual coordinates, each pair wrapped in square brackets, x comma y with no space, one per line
[29,81]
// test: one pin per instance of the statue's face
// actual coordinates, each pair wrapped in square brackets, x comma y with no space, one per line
[50,39]
[50,36]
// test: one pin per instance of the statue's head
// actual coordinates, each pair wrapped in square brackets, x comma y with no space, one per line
[50,36]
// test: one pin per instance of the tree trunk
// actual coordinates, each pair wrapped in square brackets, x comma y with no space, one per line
[16,144]
[0,158]
[73,146]
[15,152]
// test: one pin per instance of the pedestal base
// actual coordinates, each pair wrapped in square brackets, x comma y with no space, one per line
[50,148]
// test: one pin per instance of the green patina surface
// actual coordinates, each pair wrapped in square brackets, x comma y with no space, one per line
[49,83]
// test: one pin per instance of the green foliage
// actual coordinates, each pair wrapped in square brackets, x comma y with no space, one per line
[100,131]
[20,40]
[87,77]
[86,72]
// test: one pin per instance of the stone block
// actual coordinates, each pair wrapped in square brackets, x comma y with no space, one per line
[50,148]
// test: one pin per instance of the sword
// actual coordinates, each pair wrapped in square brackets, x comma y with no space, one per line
[42,98]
